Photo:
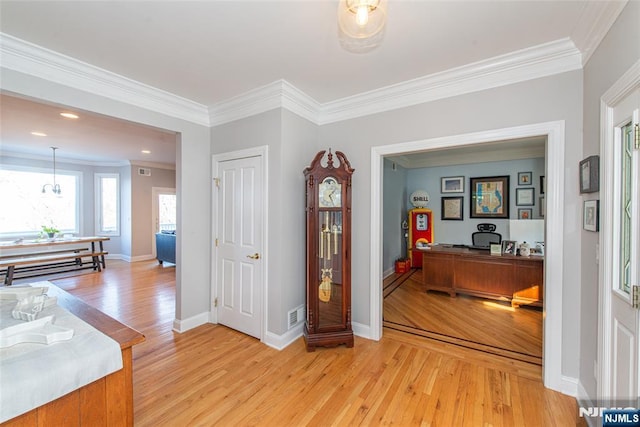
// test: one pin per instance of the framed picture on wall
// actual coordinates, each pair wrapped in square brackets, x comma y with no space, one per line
[524,178]
[489,197]
[590,174]
[591,215]
[525,196]
[452,184]
[543,184]
[525,213]
[452,208]
[543,206]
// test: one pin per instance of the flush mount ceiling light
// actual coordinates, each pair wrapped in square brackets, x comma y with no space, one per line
[55,188]
[361,24]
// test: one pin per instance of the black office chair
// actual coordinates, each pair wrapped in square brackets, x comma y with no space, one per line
[485,236]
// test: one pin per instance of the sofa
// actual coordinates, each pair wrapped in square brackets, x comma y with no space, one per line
[166,246]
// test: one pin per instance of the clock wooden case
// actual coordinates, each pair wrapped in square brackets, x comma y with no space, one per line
[328,198]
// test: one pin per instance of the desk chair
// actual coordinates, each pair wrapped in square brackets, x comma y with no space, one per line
[485,236]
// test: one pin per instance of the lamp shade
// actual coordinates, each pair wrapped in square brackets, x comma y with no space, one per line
[361,23]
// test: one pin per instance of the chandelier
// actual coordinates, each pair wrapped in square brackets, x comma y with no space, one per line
[55,188]
[361,24]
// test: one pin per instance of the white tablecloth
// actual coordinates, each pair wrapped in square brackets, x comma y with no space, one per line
[34,374]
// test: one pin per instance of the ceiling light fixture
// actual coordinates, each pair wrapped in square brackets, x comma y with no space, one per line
[67,115]
[361,24]
[37,133]
[146,152]
[55,188]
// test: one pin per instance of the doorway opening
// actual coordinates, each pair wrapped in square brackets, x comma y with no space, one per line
[554,133]
[164,213]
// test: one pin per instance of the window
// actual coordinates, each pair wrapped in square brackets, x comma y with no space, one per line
[25,209]
[107,186]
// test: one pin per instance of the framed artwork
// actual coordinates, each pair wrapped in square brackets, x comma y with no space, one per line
[452,184]
[525,213]
[452,208]
[489,197]
[524,178]
[591,215]
[509,247]
[590,174]
[543,184]
[543,206]
[525,196]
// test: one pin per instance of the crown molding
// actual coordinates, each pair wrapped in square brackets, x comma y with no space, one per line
[531,63]
[596,20]
[34,60]
[539,61]
[278,94]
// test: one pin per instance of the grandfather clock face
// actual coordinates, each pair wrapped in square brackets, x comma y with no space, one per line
[330,193]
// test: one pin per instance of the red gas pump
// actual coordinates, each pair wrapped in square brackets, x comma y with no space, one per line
[420,232]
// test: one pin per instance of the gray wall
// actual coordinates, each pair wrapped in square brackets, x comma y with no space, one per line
[617,52]
[428,179]
[394,211]
[193,183]
[292,143]
[142,228]
[547,99]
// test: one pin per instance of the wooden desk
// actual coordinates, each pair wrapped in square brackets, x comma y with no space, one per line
[105,402]
[476,272]
[32,258]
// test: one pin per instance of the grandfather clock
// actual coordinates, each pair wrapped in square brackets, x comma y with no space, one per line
[328,194]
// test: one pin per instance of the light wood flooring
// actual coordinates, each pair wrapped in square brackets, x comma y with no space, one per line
[478,323]
[212,375]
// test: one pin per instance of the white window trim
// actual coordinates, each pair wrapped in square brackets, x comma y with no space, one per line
[45,170]
[98,176]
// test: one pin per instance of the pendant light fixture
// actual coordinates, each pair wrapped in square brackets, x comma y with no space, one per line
[55,188]
[361,24]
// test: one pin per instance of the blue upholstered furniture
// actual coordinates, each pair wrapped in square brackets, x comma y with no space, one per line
[166,246]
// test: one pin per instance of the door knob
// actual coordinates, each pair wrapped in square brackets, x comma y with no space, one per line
[254,256]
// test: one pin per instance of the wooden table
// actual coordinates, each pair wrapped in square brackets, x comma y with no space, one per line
[33,258]
[477,272]
[105,402]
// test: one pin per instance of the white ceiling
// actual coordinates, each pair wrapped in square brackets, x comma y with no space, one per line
[210,51]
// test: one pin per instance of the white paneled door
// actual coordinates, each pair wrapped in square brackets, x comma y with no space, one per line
[239,267]
[621,237]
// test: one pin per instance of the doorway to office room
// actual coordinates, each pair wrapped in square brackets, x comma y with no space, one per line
[554,228]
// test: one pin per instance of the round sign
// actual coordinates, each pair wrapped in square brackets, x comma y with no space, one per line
[420,198]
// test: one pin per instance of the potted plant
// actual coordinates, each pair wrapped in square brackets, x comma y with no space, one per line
[403,265]
[50,231]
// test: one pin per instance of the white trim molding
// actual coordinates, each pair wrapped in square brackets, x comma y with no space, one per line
[554,263]
[535,62]
[37,61]
[622,88]
[184,325]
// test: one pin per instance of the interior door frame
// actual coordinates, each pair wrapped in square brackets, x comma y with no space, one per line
[629,82]
[155,192]
[554,230]
[263,153]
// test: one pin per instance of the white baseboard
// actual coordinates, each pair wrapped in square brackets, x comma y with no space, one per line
[569,386]
[128,258]
[585,401]
[184,325]
[279,342]
[388,272]
[363,331]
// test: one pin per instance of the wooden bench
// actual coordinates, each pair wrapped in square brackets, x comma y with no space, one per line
[43,263]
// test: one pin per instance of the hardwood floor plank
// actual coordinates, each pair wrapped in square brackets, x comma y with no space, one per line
[212,375]
[482,324]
